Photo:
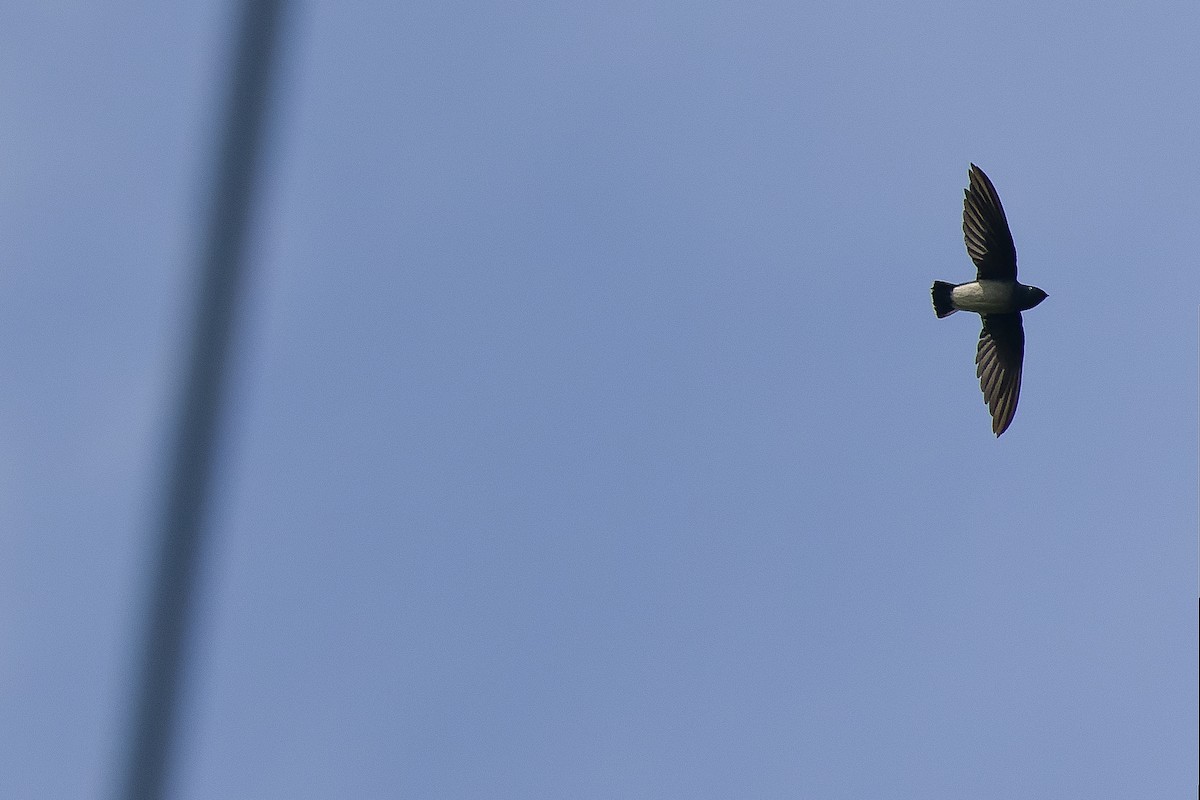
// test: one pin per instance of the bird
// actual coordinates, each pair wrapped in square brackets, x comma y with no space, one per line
[995,295]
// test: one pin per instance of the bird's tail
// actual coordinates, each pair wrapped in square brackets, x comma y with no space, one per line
[943,306]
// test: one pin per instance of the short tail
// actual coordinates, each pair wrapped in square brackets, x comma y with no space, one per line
[943,305]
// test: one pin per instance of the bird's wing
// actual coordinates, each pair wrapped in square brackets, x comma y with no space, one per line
[989,242]
[998,365]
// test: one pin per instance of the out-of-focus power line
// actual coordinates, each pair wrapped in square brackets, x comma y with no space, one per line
[187,481]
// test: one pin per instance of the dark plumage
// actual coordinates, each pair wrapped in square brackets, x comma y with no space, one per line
[995,295]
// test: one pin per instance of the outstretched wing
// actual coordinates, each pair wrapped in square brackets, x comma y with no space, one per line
[998,365]
[989,242]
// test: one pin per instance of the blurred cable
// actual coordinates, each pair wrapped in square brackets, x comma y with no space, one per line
[185,500]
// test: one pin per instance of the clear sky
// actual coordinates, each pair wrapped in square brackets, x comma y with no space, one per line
[592,433]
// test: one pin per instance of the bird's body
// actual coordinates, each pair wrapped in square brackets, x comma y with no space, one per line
[995,295]
[991,297]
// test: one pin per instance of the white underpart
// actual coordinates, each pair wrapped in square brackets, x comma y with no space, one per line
[983,297]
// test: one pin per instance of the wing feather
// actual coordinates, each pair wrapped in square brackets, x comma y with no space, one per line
[985,229]
[998,360]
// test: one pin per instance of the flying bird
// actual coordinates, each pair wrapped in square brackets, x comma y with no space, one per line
[995,295]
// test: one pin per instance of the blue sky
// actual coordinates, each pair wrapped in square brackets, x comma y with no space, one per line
[592,434]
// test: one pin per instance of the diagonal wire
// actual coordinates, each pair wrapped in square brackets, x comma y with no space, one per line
[195,437]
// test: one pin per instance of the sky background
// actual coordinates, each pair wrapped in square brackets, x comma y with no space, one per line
[591,433]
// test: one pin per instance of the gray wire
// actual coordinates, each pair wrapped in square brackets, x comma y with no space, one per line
[196,434]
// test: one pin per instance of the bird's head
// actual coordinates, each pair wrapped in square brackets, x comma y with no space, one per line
[1033,296]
